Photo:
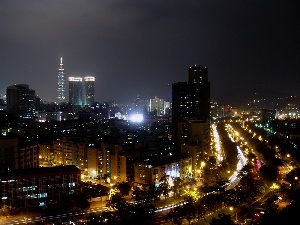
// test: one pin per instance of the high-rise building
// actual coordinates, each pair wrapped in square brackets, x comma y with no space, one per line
[61,83]
[21,103]
[75,90]
[158,105]
[198,75]
[89,83]
[118,165]
[182,102]
[191,100]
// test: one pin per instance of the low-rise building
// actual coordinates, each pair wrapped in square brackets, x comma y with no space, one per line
[38,187]
[151,171]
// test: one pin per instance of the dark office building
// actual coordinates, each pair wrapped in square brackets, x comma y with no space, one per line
[198,75]
[21,103]
[267,115]
[191,100]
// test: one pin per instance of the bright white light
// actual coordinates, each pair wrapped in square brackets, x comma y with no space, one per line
[89,78]
[137,118]
[76,79]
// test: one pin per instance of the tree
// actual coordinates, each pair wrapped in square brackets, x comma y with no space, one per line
[108,216]
[175,215]
[123,187]
[271,206]
[268,154]
[82,202]
[138,194]
[143,213]
[124,211]
[222,219]
[154,193]
[231,198]
[146,195]
[188,209]
[93,219]
[200,209]
[177,187]
[293,177]
[115,199]
[269,173]
[246,169]
[164,186]
[212,202]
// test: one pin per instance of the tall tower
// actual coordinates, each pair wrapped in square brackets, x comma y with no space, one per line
[61,83]
[75,90]
[89,83]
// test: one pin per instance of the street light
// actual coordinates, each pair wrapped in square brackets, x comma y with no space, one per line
[231,209]
[202,164]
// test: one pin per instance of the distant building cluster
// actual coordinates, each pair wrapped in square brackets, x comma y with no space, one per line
[81,90]
[159,106]
[92,141]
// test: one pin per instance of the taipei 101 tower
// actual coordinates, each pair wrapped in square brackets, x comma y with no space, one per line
[61,83]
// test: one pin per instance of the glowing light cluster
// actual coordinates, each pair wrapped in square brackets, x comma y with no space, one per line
[136,118]
[242,161]
[89,78]
[76,79]
[217,143]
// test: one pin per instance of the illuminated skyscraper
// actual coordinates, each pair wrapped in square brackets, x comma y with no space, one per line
[61,83]
[75,90]
[158,105]
[89,83]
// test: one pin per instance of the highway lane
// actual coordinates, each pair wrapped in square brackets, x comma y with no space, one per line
[60,216]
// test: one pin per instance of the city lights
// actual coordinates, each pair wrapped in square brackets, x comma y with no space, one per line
[136,118]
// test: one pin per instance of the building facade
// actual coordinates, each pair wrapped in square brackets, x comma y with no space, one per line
[118,165]
[39,187]
[151,173]
[89,84]
[65,152]
[157,105]
[27,157]
[8,145]
[75,91]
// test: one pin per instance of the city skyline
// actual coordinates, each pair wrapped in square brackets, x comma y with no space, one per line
[141,48]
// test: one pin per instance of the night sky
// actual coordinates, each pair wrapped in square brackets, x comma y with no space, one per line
[139,47]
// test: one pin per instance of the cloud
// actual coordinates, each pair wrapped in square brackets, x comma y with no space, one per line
[145,44]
